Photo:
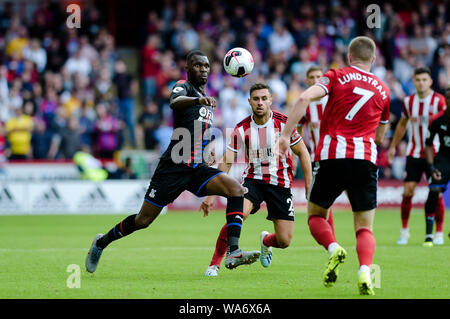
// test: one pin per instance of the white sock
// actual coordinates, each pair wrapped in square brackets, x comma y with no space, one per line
[438,234]
[364,268]
[332,247]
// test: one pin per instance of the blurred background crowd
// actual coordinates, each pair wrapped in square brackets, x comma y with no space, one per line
[62,88]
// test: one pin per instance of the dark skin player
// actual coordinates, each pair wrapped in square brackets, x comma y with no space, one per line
[197,69]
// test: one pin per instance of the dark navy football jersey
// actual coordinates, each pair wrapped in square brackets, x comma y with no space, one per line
[190,124]
[441,127]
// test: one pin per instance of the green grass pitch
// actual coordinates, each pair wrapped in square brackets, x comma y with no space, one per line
[168,259]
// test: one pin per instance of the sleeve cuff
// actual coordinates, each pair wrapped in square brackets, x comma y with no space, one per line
[322,86]
[232,149]
[296,141]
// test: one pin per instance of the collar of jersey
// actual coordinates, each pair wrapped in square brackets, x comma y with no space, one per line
[202,93]
[265,124]
[359,69]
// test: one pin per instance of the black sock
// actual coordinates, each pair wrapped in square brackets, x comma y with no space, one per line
[235,217]
[430,208]
[124,228]
[429,222]
[431,203]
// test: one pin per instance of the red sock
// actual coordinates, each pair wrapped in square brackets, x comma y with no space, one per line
[365,246]
[330,221]
[440,214]
[271,240]
[221,247]
[321,230]
[406,210]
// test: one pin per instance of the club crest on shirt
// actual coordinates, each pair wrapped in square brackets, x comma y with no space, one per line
[177,89]
[205,115]
[324,80]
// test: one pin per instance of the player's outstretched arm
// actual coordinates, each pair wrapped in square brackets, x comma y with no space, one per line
[301,151]
[297,112]
[400,131]
[183,102]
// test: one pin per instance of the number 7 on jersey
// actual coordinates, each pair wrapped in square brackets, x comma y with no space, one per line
[365,96]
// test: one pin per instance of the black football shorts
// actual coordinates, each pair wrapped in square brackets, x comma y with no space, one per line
[170,180]
[278,199]
[332,177]
[414,169]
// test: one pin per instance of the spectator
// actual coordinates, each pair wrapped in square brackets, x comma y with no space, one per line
[19,130]
[78,64]
[300,66]
[4,94]
[86,122]
[150,58]
[70,139]
[104,90]
[126,88]
[280,40]
[41,140]
[149,121]
[48,106]
[106,129]
[36,54]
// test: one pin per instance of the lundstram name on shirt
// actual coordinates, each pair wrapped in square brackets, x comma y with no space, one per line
[215,140]
[355,76]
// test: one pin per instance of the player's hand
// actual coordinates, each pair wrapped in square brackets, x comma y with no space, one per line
[212,158]
[207,205]
[307,187]
[391,155]
[208,101]
[437,175]
[282,146]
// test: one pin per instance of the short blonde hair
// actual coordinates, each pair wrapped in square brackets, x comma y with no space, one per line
[362,49]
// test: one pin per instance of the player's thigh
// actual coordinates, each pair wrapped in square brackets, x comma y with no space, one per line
[279,201]
[363,219]
[224,185]
[284,231]
[414,170]
[168,182]
[248,208]
[316,210]
[254,195]
[327,184]
[362,185]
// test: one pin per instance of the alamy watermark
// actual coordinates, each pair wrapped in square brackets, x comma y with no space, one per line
[74,19]
[375,274]
[374,18]
[74,279]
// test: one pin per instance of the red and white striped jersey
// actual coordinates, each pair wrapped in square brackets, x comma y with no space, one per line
[311,121]
[419,111]
[258,142]
[358,102]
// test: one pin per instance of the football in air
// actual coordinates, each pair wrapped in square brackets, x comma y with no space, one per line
[238,62]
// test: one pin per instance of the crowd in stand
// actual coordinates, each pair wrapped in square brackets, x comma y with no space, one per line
[61,88]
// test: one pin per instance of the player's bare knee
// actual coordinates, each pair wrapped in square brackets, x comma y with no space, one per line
[235,190]
[408,192]
[284,243]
